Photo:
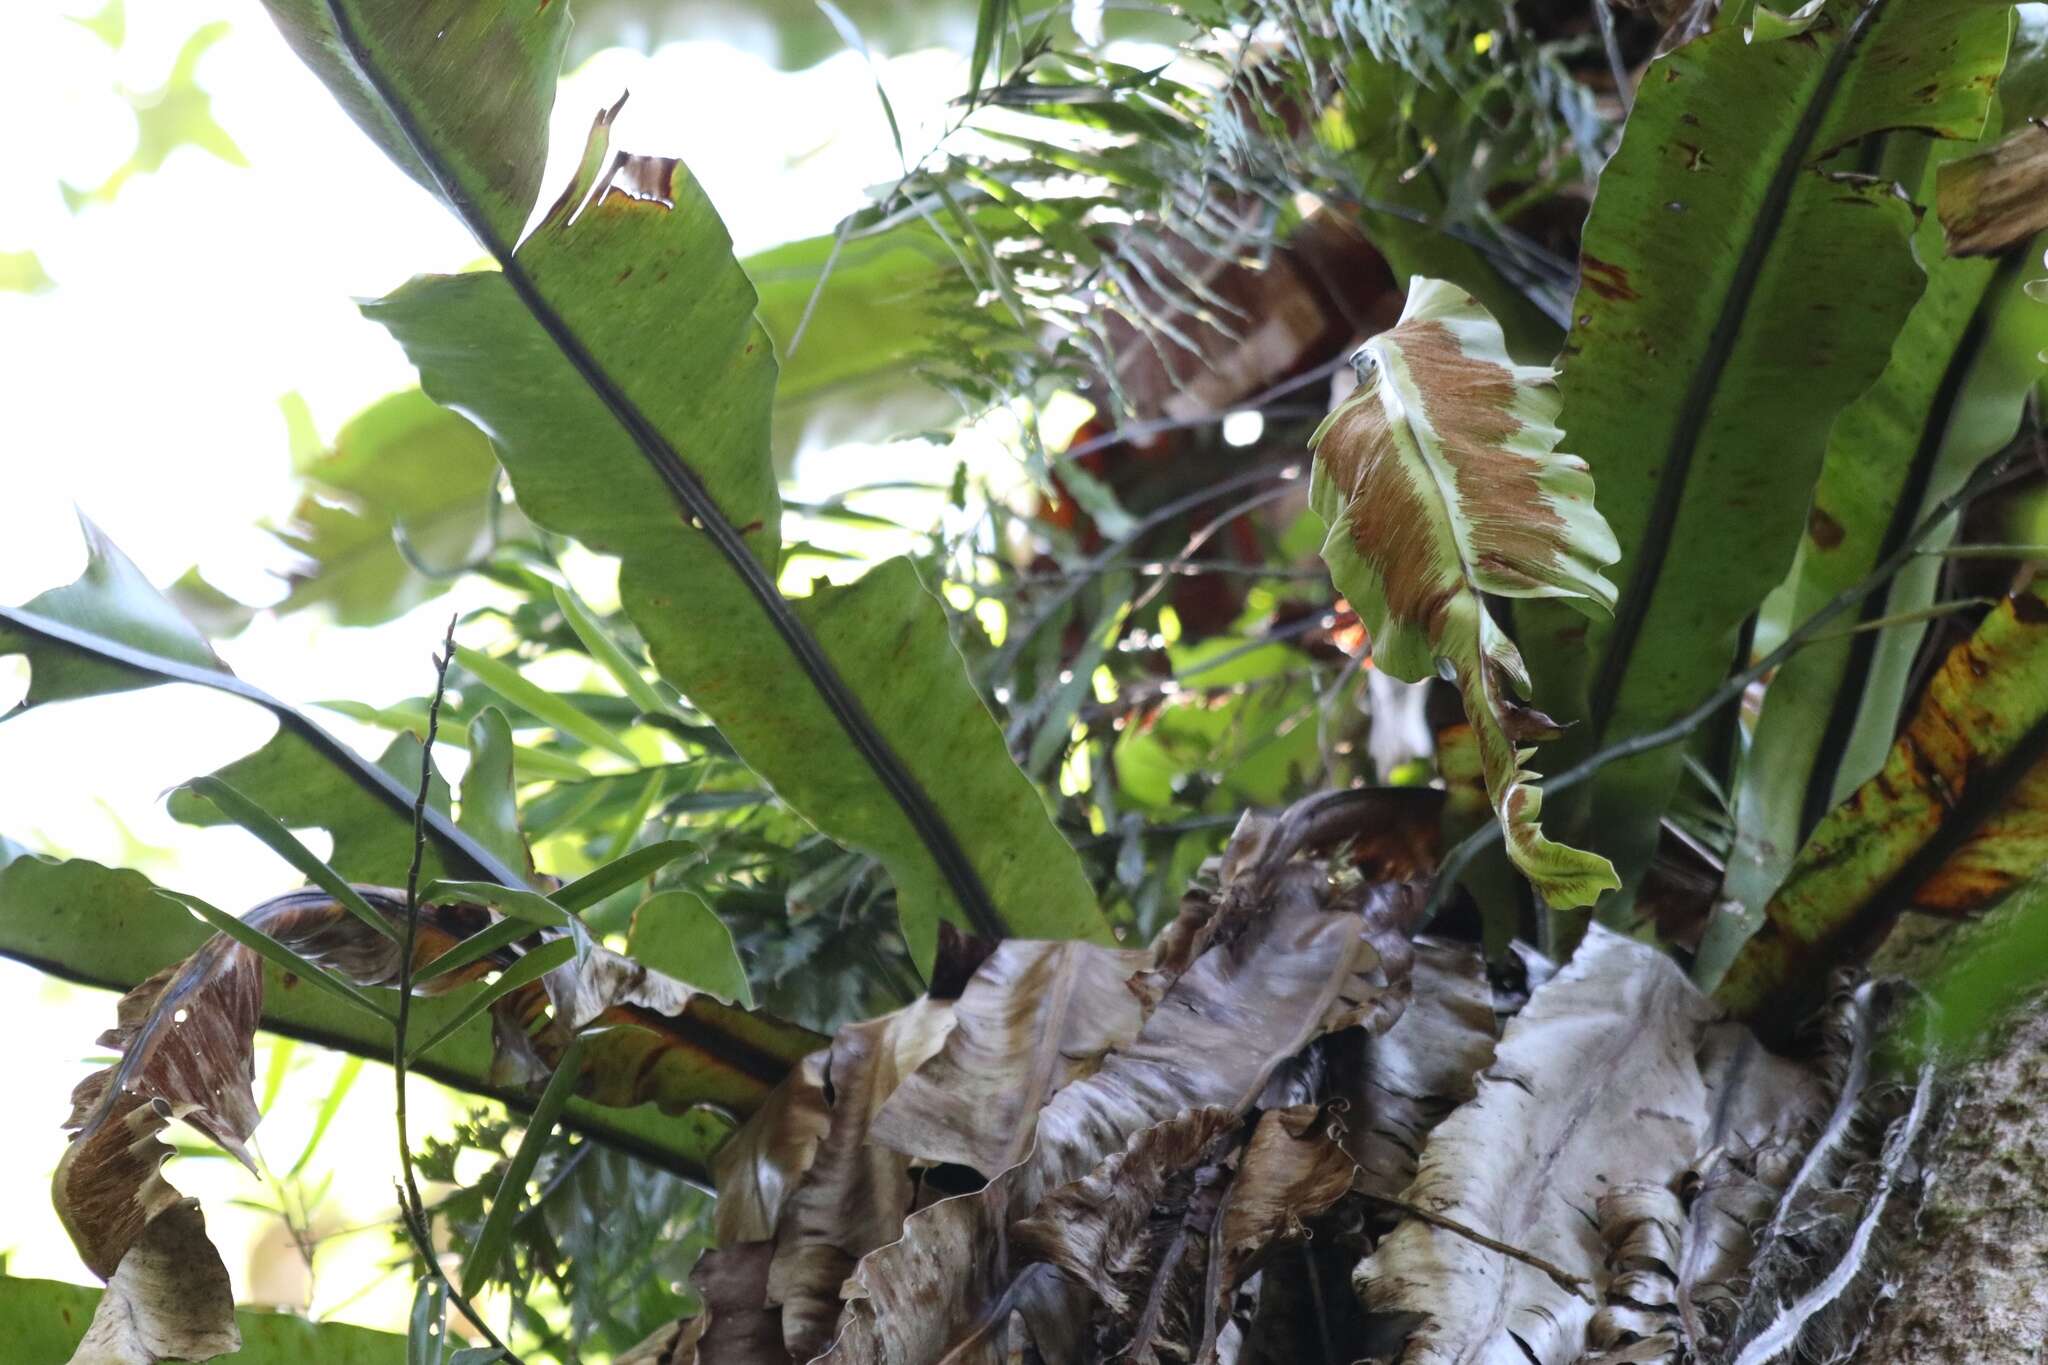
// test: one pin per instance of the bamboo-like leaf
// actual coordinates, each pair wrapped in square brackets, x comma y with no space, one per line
[1950,823]
[531,906]
[588,629]
[495,1236]
[648,439]
[490,806]
[546,707]
[531,967]
[281,841]
[1439,481]
[277,954]
[620,873]
[1738,287]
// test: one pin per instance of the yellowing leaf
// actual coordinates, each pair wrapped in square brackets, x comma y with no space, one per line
[1440,480]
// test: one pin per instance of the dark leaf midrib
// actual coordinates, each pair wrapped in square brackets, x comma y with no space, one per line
[462,852]
[910,797]
[1843,710]
[1654,545]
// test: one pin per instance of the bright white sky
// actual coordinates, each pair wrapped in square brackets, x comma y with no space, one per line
[143,390]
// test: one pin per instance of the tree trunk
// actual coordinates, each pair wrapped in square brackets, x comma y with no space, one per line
[1974,1289]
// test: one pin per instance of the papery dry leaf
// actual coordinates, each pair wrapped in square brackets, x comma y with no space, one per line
[1034,1017]
[187,1042]
[1602,1081]
[1243,1007]
[1401,1084]
[1998,198]
[169,1300]
[761,1164]
[856,1193]
[1137,1229]
[186,1038]
[1292,1170]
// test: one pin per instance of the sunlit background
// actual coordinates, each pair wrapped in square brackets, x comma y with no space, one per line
[186,222]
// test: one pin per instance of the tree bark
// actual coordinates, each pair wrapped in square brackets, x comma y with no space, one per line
[1974,1289]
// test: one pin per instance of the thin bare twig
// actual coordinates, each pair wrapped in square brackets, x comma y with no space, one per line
[1990,476]
[411,1208]
[1570,1283]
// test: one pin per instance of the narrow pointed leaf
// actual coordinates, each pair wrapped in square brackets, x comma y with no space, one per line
[545,706]
[1440,481]
[530,968]
[490,809]
[620,873]
[279,840]
[606,651]
[277,954]
[495,1236]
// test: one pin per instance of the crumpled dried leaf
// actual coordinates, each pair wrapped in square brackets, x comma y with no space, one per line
[856,1193]
[1292,1170]
[1250,1002]
[186,1038]
[1137,1229]
[1997,198]
[1408,1079]
[1640,1223]
[1036,1016]
[760,1165]
[1440,481]
[170,1299]
[1614,1075]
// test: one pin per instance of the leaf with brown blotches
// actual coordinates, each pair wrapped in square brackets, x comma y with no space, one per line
[1996,198]
[1956,818]
[1440,481]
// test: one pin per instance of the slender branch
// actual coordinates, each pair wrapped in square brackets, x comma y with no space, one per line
[1987,477]
[1570,1283]
[412,1209]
